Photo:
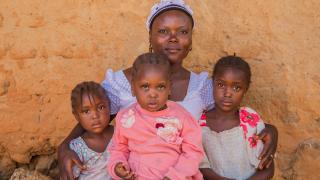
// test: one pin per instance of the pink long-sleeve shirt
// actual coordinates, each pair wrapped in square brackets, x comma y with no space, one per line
[157,144]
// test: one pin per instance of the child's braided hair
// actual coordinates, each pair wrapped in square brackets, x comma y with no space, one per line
[89,88]
[233,62]
[157,60]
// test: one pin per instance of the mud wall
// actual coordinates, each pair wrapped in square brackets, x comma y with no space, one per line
[46,47]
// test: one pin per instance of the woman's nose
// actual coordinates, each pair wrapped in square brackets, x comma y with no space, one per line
[173,37]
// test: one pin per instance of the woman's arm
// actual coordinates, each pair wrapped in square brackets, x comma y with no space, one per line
[269,136]
[66,157]
[264,174]
[211,175]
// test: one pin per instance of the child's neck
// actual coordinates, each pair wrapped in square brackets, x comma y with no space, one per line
[225,115]
[219,120]
[98,141]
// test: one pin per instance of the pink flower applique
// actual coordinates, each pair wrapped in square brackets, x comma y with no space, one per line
[203,120]
[250,117]
[169,129]
[252,141]
[128,119]
[245,130]
[249,120]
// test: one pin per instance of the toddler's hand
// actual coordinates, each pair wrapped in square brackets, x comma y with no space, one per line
[123,172]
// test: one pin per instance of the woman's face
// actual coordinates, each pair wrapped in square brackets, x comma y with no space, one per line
[171,34]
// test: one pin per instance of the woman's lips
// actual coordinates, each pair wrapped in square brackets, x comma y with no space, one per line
[172,50]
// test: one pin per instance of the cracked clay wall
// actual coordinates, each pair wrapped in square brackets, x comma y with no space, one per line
[46,47]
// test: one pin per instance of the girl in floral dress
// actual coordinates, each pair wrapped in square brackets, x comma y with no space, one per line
[229,135]
[154,138]
[90,106]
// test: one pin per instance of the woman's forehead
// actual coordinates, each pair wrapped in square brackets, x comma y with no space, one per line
[174,16]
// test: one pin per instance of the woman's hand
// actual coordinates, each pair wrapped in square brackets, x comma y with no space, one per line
[66,160]
[269,136]
[124,172]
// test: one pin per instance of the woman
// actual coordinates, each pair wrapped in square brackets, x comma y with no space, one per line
[170,26]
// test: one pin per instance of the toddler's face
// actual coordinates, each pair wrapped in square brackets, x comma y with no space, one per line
[93,114]
[229,88]
[151,86]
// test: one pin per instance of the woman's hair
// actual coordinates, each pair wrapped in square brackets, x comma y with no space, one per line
[233,62]
[166,5]
[153,59]
[88,88]
[190,17]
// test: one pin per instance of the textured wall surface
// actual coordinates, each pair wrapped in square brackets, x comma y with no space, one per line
[46,47]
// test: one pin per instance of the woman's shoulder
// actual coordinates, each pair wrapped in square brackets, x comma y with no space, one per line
[200,75]
[116,80]
[114,75]
[199,80]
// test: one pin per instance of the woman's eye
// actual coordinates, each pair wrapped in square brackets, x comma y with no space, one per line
[163,31]
[184,32]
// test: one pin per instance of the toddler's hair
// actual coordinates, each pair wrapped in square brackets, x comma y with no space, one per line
[153,59]
[233,62]
[89,88]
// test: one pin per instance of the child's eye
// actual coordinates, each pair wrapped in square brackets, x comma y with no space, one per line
[85,111]
[101,107]
[220,85]
[236,88]
[161,87]
[145,87]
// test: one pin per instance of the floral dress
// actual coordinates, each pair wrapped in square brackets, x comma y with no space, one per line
[95,162]
[234,153]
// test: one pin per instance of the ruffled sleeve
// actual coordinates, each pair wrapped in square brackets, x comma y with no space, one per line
[118,89]
[76,146]
[108,84]
[251,124]
[206,91]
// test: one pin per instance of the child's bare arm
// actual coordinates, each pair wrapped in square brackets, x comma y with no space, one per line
[209,174]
